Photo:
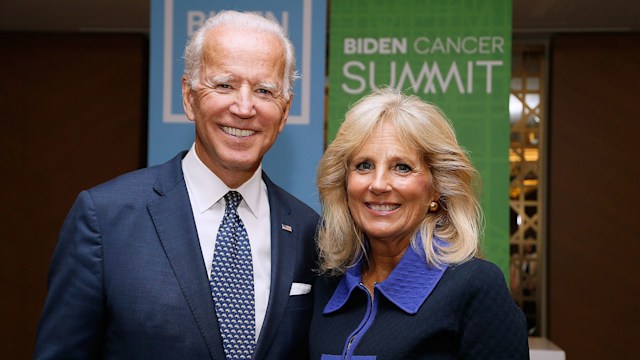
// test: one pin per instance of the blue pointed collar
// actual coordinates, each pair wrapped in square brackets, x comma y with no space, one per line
[408,285]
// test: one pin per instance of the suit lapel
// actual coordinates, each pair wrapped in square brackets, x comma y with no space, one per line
[172,216]
[283,259]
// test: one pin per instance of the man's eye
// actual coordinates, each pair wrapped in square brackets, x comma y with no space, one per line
[364,166]
[265,93]
[224,86]
[403,168]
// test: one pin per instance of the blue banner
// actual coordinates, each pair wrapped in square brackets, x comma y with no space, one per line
[292,162]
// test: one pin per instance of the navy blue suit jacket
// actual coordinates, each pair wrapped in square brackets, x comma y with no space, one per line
[127,280]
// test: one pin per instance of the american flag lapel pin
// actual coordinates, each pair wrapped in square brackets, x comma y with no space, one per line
[287,228]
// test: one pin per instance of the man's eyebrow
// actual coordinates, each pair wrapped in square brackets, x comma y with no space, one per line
[273,87]
[218,79]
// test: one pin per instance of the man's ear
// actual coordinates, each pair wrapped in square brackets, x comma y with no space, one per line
[285,113]
[187,99]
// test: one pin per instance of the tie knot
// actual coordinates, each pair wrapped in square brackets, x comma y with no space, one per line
[232,199]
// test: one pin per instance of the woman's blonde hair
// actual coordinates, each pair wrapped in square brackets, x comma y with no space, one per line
[424,127]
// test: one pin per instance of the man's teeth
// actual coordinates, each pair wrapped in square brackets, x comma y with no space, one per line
[383,207]
[237,132]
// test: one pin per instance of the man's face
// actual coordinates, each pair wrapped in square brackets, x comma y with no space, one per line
[238,106]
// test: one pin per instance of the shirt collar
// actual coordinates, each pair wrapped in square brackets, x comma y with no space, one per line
[208,188]
[408,285]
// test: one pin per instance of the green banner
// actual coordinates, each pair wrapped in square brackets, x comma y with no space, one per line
[454,53]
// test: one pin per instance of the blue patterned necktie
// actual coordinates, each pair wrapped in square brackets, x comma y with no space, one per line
[232,283]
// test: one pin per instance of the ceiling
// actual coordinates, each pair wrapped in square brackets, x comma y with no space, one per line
[529,16]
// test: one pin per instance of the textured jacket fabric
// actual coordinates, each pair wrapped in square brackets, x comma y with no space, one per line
[127,280]
[418,312]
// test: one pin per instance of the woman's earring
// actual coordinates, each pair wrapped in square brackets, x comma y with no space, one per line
[433,206]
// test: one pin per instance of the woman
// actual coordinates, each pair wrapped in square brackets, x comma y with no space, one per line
[399,243]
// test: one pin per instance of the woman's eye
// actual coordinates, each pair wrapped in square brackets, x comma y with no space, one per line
[364,166]
[403,168]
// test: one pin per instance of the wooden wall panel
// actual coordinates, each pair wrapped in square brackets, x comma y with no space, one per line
[73,115]
[594,178]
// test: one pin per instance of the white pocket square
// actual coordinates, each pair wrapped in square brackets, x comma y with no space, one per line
[299,289]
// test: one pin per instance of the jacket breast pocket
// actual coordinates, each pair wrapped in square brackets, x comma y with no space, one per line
[300,302]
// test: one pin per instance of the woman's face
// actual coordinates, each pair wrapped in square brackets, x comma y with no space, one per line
[388,187]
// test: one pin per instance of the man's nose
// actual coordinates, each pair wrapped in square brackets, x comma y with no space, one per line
[243,105]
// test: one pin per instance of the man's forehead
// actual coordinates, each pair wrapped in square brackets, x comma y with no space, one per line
[231,35]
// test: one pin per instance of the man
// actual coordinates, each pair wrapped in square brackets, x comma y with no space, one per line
[132,275]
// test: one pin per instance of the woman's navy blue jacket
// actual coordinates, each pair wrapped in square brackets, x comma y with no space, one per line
[418,312]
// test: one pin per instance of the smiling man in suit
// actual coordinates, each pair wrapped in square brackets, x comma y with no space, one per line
[203,256]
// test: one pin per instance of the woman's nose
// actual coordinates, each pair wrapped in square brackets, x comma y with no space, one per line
[379,183]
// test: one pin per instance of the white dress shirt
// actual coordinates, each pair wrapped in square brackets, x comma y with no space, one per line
[206,193]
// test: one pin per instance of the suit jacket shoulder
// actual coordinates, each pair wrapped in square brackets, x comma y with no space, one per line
[143,184]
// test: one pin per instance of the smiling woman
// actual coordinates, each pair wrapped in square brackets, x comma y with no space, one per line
[398,244]
[376,125]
